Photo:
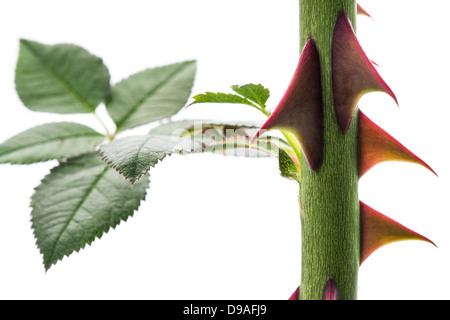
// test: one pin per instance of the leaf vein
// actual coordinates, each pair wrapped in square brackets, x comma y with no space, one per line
[149,94]
[60,79]
[72,215]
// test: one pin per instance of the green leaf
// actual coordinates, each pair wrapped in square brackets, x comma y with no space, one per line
[48,142]
[288,168]
[254,95]
[210,97]
[134,156]
[254,92]
[79,201]
[61,78]
[151,95]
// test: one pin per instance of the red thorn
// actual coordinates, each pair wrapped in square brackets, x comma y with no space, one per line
[300,110]
[361,11]
[330,292]
[376,146]
[295,295]
[377,230]
[353,73]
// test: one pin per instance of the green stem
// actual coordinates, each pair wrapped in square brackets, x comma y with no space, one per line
[108,135]
[329,196]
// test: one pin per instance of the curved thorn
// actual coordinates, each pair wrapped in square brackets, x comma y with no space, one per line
[300,110]
[375,146]
[377,230]
[330,292]
[361,11]
[353,73]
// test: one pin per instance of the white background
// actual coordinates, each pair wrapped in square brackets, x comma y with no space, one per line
[228,228]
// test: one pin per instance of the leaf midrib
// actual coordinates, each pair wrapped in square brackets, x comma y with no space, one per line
[58,77]
[259,102]
[49,141]
[149,94]
[137,160]
[72,215]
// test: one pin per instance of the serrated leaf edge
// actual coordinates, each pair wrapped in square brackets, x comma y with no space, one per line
[47,267]
[233,87]
[132,181]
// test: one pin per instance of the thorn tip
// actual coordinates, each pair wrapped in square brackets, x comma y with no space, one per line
[353,73]
[375,146]
[377,230]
